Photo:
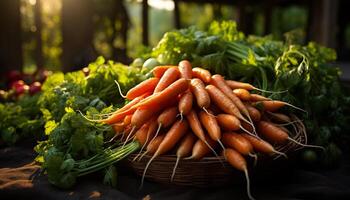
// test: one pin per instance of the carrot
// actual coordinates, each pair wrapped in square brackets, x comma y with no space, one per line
[276,134]
[274,105]
[253,112]
[185,103]
[127,119]
[151,130]
[167,118]
[239,143]
[241,85]
[122,112]
[219,81]
[154,144]
[170,76]
[175,133]
[257,97]
[117,116]
[147,85]
[197,129]
[272,132]
[201,74]
[195,124]
[279,117]
[246,127]
[198,89]
[237,161]
[141,134]
[158,100]
[271,105]
[185,69]
[243,94]
[211,125]
[201,148]
[140,116]
[262,146]
[228,122]
[223,102]
[160,70]
[118,127]
[183,150]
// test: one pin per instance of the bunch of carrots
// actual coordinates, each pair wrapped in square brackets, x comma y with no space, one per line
[194,114]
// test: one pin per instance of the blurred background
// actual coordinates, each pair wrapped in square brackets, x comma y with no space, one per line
[68,34]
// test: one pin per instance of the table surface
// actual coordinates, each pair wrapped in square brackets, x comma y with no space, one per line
[17,182]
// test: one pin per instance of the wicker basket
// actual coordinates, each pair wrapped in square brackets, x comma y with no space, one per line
[208,172]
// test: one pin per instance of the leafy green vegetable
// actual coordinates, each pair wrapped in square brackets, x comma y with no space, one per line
[20,120]
[77,146]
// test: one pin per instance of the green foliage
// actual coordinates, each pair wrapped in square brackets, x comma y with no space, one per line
[76,145]
[19,120]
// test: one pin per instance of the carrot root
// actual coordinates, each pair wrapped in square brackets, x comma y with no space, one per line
[248,185]
[174,170]
[119,89]
[306,145]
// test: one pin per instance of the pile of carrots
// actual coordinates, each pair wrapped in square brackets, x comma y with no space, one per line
[189,112]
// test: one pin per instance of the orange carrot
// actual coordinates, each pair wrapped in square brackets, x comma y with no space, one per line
[175,133]
[253,112]
[272,132]
[201,149]
[170,76]
[198,89]
[118,127]
[140,116]
[142,88]
[262,146]
[237,142]
[127,119]
[166,118]
[185,69]
[243,94]
[228,122]
[195,124]
[158,100]
[197,129]
[278,135]
[202,74]
[185,103]
[160,70]
[154,144]
[239,85]
[183,150]
[222,101]
[125,110]
[237,161]
[272,105]
[117,116]
[141,134]
[211,125]
[219,81]
[279,117]
[257,97]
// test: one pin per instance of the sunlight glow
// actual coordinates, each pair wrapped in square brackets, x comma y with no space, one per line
[162,4]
